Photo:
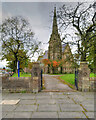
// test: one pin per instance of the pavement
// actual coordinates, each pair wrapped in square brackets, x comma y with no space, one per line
[52,83]
[65,104]
[48,105]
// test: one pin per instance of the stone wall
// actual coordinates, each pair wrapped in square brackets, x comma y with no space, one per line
[68,70]
[35,81]
[85,83]
[31,84]
[92,82]
[83,77]
[15,84]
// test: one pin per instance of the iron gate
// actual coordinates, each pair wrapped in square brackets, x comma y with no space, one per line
[41,78]
[76,78]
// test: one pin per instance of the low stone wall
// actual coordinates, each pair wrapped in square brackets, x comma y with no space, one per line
[92,82]
[15,84]
[68,70]
[28,84]
[4,77]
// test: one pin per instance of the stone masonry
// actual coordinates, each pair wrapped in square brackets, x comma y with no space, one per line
[83,77]
[35,81]
[28,84]
[57,52]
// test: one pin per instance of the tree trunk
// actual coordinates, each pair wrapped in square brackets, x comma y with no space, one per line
[15,63]
[83,56]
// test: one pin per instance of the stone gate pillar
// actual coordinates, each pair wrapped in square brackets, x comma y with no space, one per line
[35,82]
[83,77]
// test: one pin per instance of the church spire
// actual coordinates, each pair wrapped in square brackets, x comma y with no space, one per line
[55,28]
[55,47]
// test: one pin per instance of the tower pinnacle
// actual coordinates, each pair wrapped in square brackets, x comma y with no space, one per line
[55,28]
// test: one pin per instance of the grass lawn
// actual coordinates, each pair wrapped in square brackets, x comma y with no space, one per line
[22,75]
[92,75]
[55,74]
[70,78]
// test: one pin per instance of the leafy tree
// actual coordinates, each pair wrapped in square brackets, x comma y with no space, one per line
[81,19]
[91,57]
[46,62]
[30,64]
[17,40]
[22,57]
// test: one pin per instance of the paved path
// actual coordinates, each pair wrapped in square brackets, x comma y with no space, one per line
[52,83]
[49,105]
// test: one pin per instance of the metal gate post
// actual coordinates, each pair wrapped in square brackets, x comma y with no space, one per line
[41,78]
[76,78]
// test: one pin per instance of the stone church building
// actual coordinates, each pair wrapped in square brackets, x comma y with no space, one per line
[57,51]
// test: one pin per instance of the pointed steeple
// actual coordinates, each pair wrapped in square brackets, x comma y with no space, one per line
[55,28]
[55,47]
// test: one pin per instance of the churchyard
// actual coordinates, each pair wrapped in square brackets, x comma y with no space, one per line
[59,84]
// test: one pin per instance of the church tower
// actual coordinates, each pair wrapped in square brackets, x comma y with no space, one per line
[55,46]
[58,51]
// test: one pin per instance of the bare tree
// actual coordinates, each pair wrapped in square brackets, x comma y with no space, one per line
[16,35]
[81,18]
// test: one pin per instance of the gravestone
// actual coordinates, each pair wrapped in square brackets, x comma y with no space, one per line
[35,82]
[83,77]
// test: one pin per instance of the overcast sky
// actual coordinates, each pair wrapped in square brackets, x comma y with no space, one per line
[39,15]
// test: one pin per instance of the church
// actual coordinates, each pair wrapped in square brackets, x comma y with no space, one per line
[57,52]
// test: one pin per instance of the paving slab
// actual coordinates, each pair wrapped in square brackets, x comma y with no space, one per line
[46,101]
[27,102]
[45,115]
[71,115]
[60,96]
[89,107]
[77,98]
[49,108]
[4,114]
[18,115]
[4,95]
[8,107]
[90,114]
[43,93]
[13,96]
[88,102]
[43,97]
[71,107]
[64,101]
[49,104]
[29,96]
[26,108]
